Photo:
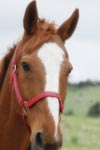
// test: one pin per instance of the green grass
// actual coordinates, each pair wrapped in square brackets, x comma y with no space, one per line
[81,133]
[79,100]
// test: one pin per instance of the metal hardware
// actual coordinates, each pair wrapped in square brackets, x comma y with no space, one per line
[25,112]
[14,68]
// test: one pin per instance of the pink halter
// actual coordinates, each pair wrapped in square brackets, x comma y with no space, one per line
[30,103]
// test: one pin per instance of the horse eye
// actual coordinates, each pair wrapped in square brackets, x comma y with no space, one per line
[25,66]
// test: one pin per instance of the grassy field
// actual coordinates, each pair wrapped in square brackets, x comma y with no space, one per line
[80,99]
[81,132]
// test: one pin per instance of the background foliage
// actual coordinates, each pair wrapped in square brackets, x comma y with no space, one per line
[81,119]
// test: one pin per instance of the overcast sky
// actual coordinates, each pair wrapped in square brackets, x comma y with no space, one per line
[84,45]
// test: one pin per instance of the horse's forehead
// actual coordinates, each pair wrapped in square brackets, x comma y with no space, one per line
[51,53]
[51,57]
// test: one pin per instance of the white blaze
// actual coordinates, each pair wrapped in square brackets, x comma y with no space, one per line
[51,56]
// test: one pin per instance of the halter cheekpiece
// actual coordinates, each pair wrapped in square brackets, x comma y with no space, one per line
[25,105]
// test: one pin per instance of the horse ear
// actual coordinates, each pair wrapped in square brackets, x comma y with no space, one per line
[30,18]
[67,28]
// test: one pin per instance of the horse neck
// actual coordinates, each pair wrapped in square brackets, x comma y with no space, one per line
[15,136]
[11,123]
[5,98]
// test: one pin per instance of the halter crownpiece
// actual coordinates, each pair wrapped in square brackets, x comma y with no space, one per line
[30,103]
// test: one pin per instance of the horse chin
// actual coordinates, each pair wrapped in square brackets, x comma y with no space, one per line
[30,147]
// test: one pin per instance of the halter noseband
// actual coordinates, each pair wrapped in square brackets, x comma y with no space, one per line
[27,104]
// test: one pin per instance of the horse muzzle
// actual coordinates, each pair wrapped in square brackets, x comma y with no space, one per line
[39,144]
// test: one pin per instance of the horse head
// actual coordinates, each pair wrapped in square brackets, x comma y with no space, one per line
[43,65]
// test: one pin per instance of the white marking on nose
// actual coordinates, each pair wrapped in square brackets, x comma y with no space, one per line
[52,57]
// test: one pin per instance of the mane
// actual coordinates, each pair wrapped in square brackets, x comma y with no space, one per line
[48,27]
[5,64]
[43,34]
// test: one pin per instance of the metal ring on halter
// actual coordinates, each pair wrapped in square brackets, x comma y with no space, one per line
[25,112]
[14,68]
[25,109]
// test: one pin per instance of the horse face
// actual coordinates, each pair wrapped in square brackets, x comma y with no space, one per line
[44,66]
[45,69]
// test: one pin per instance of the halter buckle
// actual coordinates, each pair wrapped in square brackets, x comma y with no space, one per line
[25,112]
[25,109]
[14,68]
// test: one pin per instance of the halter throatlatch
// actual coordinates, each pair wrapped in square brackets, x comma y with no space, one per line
[30,103]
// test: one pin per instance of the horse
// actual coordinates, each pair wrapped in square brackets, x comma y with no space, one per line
[33,84]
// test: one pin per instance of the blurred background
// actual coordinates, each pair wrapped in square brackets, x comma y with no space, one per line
[81,119]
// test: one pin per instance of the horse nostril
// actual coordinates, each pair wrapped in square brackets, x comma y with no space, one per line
[38,139]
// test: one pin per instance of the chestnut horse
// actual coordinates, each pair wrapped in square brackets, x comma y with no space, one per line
[33,84]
